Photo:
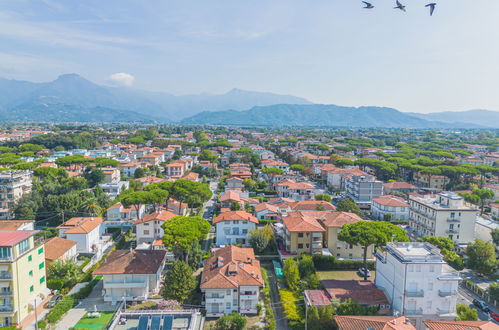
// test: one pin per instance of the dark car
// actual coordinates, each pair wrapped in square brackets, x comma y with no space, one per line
[495,316]
[51,303]
[364,272]
[481,305]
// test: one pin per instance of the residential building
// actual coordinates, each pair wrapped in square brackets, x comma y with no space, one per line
[231,281]
[120,216]
[266,211]
[431,181]
[175,169]
[22,275]
[113,189]
[234,183]
[332,223]
[277,164]
[445,214]
[60,249]
[373,322]
[363,188]
[233,227]
[302,233]
[85,231]
[484,228]
[458,325]
[131,275]
[17,225]
[148,228]
[299,191]
[390,208]
[111,175]
[494,210]
[13,186]
[311,205]
[417,281]
[400,187]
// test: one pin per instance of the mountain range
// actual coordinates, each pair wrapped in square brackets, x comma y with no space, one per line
[72,98]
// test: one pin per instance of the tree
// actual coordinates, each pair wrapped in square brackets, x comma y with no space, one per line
[235,206]
[181,233]
[495,236]
[94,176]
[297,167]
[465,313]
[272,170]
[323,197]
[136,199]
[179,282]
[481,257]
[232,321]
[291,274]
[351,307]
[320,318]
[484,195]
[69,272]
[367,233]
[258,240]
[139,173]
[348,205]
[249,185]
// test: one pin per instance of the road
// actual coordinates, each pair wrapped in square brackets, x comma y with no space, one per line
[208,209]
[466,297]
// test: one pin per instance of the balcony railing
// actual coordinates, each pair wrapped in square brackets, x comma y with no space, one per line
[446,293]
[443,311]
[6,308]
[453,220]
[5,276]
[452,231]
[419,293]
[417,311]
[6,293]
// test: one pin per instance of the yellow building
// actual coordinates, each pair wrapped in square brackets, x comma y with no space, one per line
[303,233]
[22,275]
[431,181]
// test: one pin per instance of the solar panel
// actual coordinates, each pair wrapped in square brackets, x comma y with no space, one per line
[167,322]
[143,323]
[155,323]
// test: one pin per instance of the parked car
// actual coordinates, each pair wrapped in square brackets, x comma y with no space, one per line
[53,300]
[481,305]
[364,272]
[495,316]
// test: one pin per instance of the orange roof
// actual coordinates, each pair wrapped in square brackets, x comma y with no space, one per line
[81,225]
[399,185]
[193,176]
[335,219]
[461,325]
[363,292]
[389,200]
[373,322]
[13,224]
[300,221]
[230,267]
[230,196]
[161,215]
[235,215]
[56,247]
[312,205]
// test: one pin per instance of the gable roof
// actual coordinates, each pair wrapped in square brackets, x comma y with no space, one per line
[162,215]
[373,322]
[389,200]
[336,219]
[56,247]
[235,215]
[461,325]
[132,262]
[13,224]
[12,237]
[81,225]
[311,205]
[230,267]
[301,221]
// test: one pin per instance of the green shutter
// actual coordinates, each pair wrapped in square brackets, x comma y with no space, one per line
[41,265]
[31,289]
[30,258]
[40,250]
[30,273]
[42,279]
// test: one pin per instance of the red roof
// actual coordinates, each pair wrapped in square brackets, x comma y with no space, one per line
[12,237]
[235,215]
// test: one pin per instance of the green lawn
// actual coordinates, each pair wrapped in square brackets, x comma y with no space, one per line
[96,323]
[342,275]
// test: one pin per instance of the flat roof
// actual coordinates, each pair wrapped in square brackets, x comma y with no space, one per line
[415,252]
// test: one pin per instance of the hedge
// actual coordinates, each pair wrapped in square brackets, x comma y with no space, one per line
[61,308]
[322,262]
[269,312]
[292,311]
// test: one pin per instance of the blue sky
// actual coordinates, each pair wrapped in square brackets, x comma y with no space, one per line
[329,51]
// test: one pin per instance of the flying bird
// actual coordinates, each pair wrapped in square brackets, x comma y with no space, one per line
[399,6]
[432,7]
[368,5]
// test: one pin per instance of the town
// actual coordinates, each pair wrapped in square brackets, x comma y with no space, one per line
[128,226]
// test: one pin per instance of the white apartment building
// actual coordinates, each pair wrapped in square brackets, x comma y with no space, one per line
[13,186]
[231,282]
[445,214]
[363,188]
[85,231]
[233,227]
[149,227]
[419,284]
[390,205]
[119,216]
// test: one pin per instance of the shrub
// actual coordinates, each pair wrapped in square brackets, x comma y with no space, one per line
[289,305]
[61,308]
[42,324]
[494,291]
[322,262]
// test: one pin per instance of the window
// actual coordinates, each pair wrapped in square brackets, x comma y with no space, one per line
[146,232]
[428,304]
[146,223]
[42,279]
[300,234]
[245,231]
[40,250]
[418,268]
[410,268]
[432,268]
[245,222]
[23,246]
[227,305]
[30,258]
[31,289]
[300,246]
[227,292]
[30,273]
[5,253]
[41,265]
[430,286]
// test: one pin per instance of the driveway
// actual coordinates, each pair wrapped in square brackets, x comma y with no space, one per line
[275,299]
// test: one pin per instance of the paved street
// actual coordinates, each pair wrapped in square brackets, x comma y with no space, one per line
[208,209]
[466,297]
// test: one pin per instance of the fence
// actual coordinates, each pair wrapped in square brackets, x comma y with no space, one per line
[483,294]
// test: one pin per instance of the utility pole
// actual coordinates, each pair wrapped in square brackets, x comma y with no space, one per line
[36,317]
[306,311]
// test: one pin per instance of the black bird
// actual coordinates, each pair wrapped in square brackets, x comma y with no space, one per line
[432,7]
[399,6]
[368,5]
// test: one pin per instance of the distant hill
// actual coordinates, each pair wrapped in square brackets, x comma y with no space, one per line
[485,118]
[71,91]
[315,115]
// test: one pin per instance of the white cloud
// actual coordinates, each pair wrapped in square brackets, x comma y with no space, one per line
[122,79]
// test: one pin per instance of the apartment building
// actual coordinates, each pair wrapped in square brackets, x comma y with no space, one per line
[231,281]
[303,233]
[233,227]
[419,284]
[363,188]
[13,185]
[22,275]
[390,208]
[445,214]
[148,228]
[431,181]
[85,231]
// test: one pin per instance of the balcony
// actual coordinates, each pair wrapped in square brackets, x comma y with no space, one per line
[452,231]
[455,220]
[6,293]
[414,294]
[5,276]
[446,293]
[124,284]
[443,311]
[249,295]
[215,299]
[6,308]
[417,311]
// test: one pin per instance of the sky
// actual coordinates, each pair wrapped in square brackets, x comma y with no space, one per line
[328,51]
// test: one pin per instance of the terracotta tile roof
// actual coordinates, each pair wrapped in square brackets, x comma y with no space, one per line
[12,237]
[301,221]
[230,196]
[318,297]
[461,325]
[81,225]
[150,179]
[336,219]
[56,247]
[193,176]
[13,224]
[235,215]
[363,292]
[132,262]
[230,267]
[266,206]
[161,215]
[311,205]
[373,322]
[234,178]
[389,200]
